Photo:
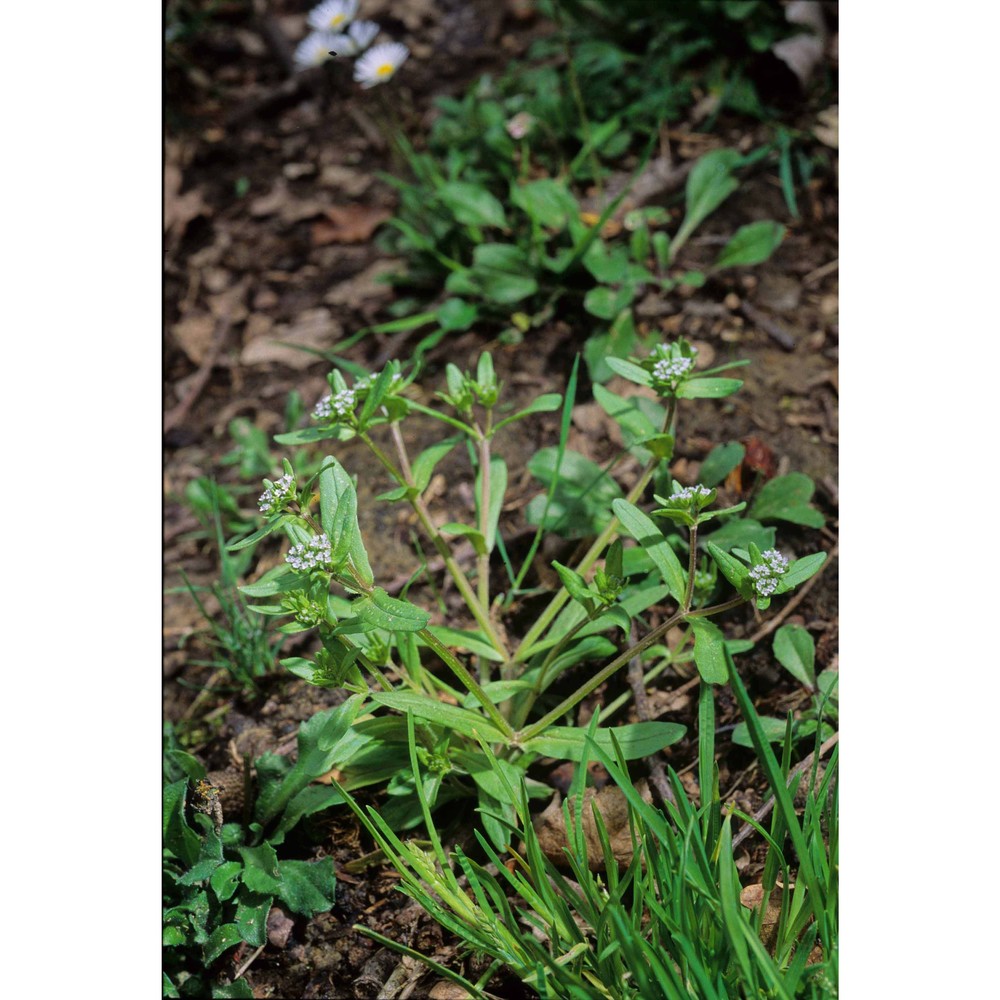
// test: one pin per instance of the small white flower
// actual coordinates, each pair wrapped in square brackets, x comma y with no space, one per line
[332,15]
[690,493]
[767,573]
[379,63]
[313,50]
[357,38]
[664,370]
[520,125]
[275,495]
[309,555]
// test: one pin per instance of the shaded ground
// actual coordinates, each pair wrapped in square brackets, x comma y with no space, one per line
[272,202]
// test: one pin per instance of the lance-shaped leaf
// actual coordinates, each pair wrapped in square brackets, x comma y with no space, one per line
[709,651]
[379,610]
[338,504]
[421,706]
[639,739]
[649,536]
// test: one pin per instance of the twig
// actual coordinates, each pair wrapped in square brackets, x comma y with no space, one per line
[774,330]
[762,812]
[821,272]
[246,965]
[769,626]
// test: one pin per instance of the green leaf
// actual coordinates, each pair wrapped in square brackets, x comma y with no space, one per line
[251,916]
[221,939]
[618,342]
[339,518]
[732,569]
[260,533]
[638,739]
[456,314]
[307,887]
[642,528]
[574,584]
[786,498]
[709,651]
[260,869]
[190,765]
[709,184]
[425,463]
[796,652]
[225,880]
[801,570]
[630,371]
[472,205]
[278,580]
[741,533]
[751,244]
[380,610]
[605,303]
[473,534]
[547,201]
[239,990]
[498,489]
[450,716]
[500,271]
[178,837]
[774,731]
[708,388]
[720,461]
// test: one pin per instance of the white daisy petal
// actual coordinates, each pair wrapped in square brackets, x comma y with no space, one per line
[379,63]
[313,50]
[332,15]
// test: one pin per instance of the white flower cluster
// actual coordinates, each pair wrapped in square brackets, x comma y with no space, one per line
[666,369]
[309,555]
[341,404]
[274,497]
[690,493]
[335,32]
[766,575]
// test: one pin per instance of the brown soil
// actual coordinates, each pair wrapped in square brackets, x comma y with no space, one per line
[274,199]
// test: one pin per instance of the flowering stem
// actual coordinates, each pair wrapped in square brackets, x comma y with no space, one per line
[471,684]
[555,605]
[461,580]
[692,562]
[483,559]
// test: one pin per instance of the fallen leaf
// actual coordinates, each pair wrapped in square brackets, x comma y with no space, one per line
[828,130]
[364,287]
[550,825]
[314,328]
[194,335]
[802,53]
[279,927]
[179,209]
[348,224]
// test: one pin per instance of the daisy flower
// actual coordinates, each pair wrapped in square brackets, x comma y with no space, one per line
[357,38]
[313,49]
[332,15]
[379,63]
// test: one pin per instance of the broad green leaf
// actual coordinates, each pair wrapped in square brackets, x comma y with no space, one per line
[450,716]
[732,569]
[720,461]
[221,939]
[307,887]
[786,498]
[801,570]
[189,764]
[605,303]
[618,342]
[497,691]
[574,584]
[251,916]
[278,580]
[740,532]
[708,388]
[632,416]
[238,990]
[472,205]
[774,731]
[639,739]
[709,650]
[629,370]
[591,647]
[500,257]
[505,288]
[309,435]
[648,535]
[751,244]
[465,531]
[260,868]
[796,652]
[225,880]
[312,799]
[380,610]
[425,463]
[456,314]
[178,837]
[546,201]
[709,184]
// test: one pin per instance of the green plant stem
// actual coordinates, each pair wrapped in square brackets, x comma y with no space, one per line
[461,580]
[557,602]
[619,661]
[471,684]
[692,562]
[483,559]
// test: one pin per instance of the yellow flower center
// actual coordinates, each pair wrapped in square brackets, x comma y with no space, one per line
[337,19]
[385,70]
